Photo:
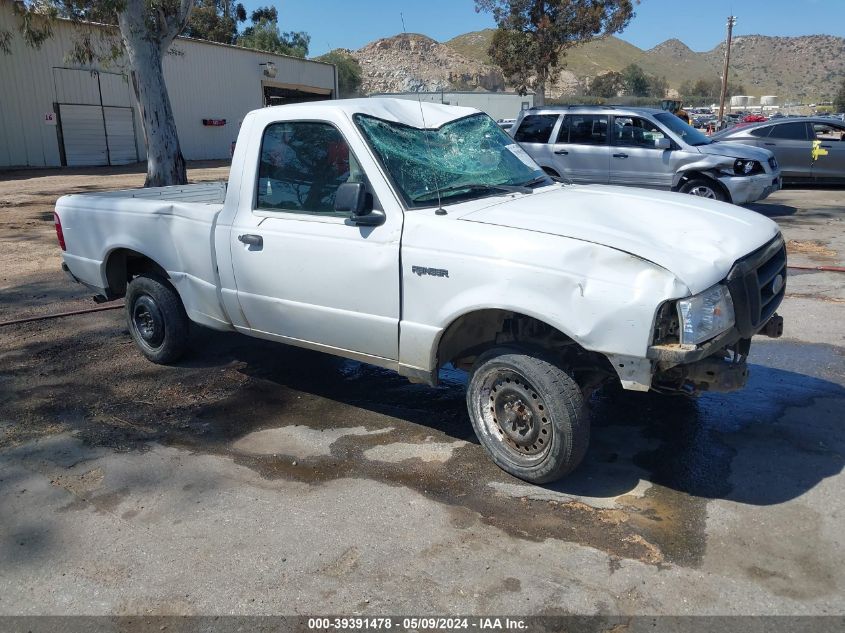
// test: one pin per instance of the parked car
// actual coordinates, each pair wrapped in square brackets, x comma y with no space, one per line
[808,149]
[643,147]
[411,236]
[506,124]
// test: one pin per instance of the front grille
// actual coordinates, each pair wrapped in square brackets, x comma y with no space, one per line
[773,163]
[757,283]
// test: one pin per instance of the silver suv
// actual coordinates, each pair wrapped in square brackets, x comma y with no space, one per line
[643,147]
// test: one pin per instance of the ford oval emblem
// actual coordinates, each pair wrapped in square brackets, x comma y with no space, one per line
[777,284]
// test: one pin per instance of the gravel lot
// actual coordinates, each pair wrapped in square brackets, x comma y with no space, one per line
[258,479]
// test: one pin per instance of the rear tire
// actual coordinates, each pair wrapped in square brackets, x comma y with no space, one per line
[704,188]
[528,413]
[156,318]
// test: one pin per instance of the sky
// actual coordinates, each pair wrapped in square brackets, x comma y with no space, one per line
[701,25]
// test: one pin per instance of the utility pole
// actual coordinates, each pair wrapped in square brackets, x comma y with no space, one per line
[731,22]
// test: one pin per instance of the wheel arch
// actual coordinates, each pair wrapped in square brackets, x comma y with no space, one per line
[683,177]
[121,264]
[473,332]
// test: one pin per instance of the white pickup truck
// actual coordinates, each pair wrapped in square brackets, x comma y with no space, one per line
[412,235]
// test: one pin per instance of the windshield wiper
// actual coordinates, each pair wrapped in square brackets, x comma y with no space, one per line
[474,186]
[536,181]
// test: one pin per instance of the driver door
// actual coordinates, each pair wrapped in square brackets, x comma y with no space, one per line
[304,274]
[829,151]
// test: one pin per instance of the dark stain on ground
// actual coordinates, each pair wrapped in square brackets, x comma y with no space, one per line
[91,377]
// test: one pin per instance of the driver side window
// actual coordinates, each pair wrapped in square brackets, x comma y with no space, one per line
[302,164]
[828,132]
[635,132]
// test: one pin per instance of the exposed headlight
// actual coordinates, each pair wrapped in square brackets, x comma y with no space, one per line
[744,167]
[705,315]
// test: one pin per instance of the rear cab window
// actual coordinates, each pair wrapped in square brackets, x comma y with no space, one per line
[536,128]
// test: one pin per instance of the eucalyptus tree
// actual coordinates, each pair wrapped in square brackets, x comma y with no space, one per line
[533,35]
[143,33]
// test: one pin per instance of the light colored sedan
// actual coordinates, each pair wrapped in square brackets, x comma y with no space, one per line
[808,149]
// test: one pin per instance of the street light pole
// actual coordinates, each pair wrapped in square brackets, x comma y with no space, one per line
[731,22]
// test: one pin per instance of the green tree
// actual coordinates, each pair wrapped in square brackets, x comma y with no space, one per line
[636,81]
[142,35]
[264,13]
[708,90]
[215,20]
[607,86]
[839,100]
[533,35]
[348,71]
[264,35]
[657,86]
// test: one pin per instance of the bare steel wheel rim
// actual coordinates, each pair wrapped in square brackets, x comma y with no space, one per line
[703,191]
[514,412]
[148,321]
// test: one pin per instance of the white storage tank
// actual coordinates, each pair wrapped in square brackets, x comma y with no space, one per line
[769,100]
[739,100]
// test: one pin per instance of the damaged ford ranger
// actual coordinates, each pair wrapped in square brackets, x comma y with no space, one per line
[415,235]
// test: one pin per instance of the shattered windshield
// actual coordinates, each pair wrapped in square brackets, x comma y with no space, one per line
[466,158]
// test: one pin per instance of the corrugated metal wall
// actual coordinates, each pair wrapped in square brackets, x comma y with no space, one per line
[204,80]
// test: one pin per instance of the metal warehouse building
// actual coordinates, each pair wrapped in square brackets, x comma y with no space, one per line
[53,113]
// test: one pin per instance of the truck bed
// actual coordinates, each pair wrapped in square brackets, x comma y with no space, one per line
[172,226]
[202,193]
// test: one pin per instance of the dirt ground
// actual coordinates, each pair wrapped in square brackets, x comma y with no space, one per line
[253,478]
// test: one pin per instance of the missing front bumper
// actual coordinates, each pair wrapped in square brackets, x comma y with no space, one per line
[720,374]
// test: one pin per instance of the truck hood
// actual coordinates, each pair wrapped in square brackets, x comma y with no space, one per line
[696,239]
[735,150]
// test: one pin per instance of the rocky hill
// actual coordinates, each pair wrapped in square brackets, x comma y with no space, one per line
[411,62]
[808,68]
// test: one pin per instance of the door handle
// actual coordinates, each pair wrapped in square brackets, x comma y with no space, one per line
[771,144]
[251,239]
[560,152]
[620,156]
[826,146]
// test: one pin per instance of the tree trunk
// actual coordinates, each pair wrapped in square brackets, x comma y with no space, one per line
[165,163]
[540,92]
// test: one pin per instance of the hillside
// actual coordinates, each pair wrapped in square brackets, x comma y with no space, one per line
[808,67]
[410,62]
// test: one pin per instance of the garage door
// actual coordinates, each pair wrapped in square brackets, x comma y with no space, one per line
[120,135]
[95,117]
[84,135]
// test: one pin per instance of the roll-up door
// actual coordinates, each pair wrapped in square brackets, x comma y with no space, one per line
[95,117]
[120,135]
[84,135]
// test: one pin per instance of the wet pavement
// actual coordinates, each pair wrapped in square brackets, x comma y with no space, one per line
[256,478]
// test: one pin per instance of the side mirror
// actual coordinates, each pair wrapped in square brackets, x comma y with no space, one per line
[351,197]
[663,143]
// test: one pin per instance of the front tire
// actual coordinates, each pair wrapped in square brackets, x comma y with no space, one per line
[704,188]
[156,317]
[528,413]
